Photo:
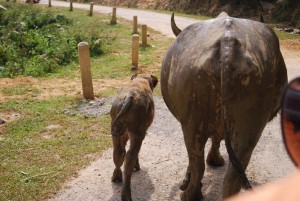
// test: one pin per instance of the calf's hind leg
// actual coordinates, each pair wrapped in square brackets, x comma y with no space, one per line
[131,159]
[119,143]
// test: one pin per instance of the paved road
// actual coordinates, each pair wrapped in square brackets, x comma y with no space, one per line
[157,21]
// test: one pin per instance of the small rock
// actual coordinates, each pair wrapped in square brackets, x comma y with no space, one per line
[289,30]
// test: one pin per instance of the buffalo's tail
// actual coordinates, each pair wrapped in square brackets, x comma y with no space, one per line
[228,48]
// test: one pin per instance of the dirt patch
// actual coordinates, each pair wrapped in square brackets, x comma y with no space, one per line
[52,87]
[290,44]
[10,115]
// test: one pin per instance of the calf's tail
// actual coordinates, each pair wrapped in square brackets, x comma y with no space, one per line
[117,127]
[228,49]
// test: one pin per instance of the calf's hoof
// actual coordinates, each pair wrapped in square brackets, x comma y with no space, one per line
[215,160]
[137,167]
[117,176]
[184,184]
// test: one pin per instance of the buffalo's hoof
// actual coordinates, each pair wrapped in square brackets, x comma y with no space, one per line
[215,160]
[117,176]
[185,197]
[185,183]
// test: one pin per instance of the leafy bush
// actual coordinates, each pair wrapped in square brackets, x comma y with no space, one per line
[36,42]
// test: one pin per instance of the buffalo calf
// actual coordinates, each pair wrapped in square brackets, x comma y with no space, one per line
[131,114]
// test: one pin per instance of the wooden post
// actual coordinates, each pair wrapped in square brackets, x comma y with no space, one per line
[135,29]
[49,3]
[85,68]
[135,51]
[71,5]
[91,9]
[114,16]
[144,35]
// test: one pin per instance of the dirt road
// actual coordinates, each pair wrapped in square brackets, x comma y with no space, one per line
[163,156]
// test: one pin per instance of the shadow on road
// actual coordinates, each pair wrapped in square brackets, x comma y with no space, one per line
[141,187]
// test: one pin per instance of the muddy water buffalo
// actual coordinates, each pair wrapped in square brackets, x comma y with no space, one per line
[131,114]
[222,79]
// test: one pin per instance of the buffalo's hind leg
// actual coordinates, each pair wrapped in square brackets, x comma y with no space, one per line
[119,143]
[131,159]
[246,141]
[195,144]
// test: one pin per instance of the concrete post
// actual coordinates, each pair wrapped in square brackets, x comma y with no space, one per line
[135,25]
[144,35]
[135,51]
[114,16]
[85,69]
[91,8]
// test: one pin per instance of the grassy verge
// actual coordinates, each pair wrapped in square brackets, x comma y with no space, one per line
[282,35]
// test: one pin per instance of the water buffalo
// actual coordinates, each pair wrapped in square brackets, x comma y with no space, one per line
[222,79]
[131,114]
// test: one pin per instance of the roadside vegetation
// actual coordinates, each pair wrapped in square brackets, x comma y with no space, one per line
[41,145]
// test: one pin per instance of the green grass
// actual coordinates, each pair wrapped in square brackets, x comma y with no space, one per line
[36,160]
[286,36]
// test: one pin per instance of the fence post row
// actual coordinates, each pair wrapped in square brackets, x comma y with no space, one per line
[85,69]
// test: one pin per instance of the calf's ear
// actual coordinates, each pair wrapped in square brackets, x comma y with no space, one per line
[154,81]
